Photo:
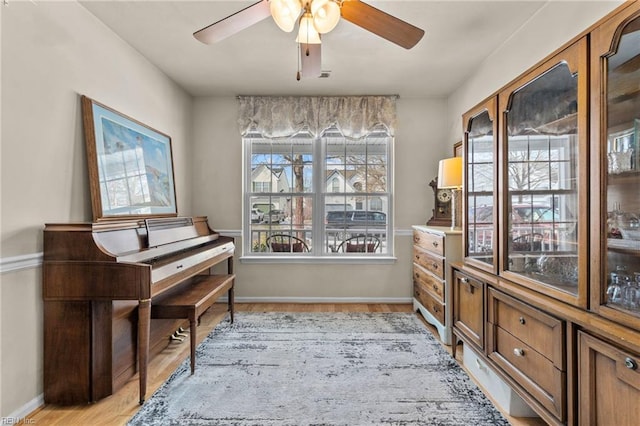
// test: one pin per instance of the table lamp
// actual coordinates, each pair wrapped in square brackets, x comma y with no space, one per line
[450,177]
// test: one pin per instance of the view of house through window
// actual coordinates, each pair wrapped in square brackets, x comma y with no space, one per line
[324,196]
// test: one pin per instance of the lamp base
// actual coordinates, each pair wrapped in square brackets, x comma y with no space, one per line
[456,223]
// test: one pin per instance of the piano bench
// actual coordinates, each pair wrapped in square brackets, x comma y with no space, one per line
[193,302]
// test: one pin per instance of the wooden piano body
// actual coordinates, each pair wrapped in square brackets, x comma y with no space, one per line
[99,282]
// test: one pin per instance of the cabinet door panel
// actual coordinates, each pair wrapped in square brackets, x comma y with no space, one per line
[468,315]
[609,383]
[616,149]
[544,177]
[480,195]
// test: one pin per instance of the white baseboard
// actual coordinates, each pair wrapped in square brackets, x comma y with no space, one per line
[19,416]
[387,300]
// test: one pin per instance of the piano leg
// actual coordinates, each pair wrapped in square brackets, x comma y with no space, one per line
[231,303]
[193,324]
[144,321]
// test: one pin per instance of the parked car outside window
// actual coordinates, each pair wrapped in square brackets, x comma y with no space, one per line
[274,216]
[256,216]
[356,219]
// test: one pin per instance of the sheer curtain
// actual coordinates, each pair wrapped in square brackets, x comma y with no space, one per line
[281,116]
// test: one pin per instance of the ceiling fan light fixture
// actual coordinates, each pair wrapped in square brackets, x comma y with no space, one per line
[285,13]
[307,32]
[326,14]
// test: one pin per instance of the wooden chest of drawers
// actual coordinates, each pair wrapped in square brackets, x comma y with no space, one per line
[529,345]
[433,249]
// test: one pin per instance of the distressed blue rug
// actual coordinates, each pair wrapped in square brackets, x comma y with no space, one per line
[320,369]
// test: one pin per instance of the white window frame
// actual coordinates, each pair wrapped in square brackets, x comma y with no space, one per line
[317,249]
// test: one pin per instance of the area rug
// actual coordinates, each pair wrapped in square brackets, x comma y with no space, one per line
[320,369]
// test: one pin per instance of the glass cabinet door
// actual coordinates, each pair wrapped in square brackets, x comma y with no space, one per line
[481,209]
[617,58]
[544,177]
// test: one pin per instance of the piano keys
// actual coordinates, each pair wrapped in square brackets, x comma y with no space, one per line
[99,281]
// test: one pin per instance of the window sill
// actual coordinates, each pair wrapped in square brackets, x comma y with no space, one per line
[358,260]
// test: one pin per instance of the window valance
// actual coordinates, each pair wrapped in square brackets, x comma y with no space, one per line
[281,116]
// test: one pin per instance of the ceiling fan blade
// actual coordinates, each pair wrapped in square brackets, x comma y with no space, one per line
[310,59]
[380,23]
[234,23]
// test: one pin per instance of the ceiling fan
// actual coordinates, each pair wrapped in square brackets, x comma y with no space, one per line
[314,17]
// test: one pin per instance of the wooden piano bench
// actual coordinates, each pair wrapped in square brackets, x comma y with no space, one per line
[193,302]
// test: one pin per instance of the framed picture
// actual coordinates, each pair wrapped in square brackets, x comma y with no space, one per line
[457,149]
[130,165]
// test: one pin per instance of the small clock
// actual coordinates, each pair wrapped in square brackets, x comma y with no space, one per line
[444,195]
[442,202]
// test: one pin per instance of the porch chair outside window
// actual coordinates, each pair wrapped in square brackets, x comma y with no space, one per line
[528,242]
[284,243]
[359,244]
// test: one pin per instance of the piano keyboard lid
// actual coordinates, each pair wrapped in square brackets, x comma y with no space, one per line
[166,236]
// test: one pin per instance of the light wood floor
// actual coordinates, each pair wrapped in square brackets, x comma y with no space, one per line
[119,408]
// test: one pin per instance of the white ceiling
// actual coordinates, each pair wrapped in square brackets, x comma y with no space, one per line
[262,60]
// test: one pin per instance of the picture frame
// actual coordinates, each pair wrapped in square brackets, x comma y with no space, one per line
[130,165]
[457,149]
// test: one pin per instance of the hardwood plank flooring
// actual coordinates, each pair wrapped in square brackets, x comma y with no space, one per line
[119,408]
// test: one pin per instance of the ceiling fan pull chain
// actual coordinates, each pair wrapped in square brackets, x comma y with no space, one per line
[298,61]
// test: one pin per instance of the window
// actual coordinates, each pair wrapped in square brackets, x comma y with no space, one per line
[315,193]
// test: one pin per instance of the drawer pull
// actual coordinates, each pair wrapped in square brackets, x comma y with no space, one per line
[464,280]
[434,265]
[630,363]
[435,309]
[435,243]
[435,287]
[521,320]
[518,352]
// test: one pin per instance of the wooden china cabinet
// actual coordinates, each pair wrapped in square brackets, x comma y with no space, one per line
[548,293]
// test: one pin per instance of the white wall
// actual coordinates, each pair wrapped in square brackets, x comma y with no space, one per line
[217,172]
[555,24]
[52,52]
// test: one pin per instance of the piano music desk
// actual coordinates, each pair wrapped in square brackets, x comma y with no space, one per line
[192,303]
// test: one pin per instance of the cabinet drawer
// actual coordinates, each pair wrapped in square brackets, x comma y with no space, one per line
[429,261]
[435,307]
[530,369]
[544,333]
[430,242]
[468,307]
[428,282]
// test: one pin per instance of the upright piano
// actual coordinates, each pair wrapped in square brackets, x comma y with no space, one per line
[99,282]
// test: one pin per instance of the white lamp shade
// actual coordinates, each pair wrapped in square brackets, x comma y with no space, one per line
[285,13]
[307,33]
[450,173]
[326,14]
